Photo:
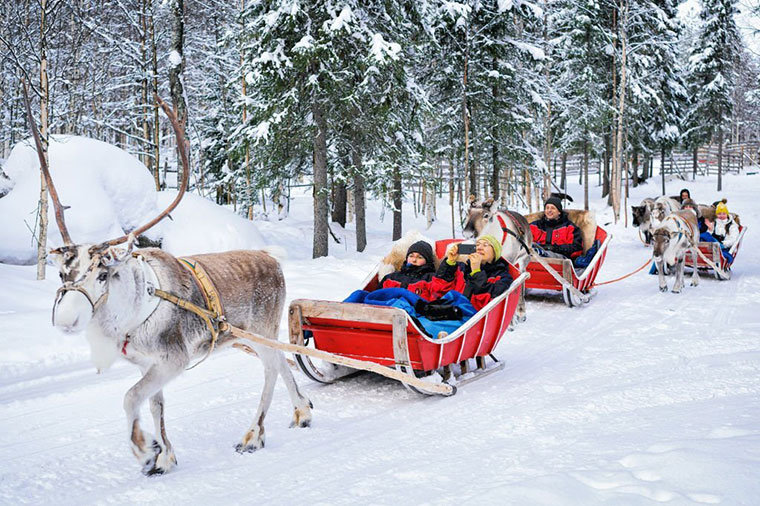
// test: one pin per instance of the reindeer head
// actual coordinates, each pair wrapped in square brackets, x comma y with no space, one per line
[668,240]
[479,214]
[88,270]
[640,215]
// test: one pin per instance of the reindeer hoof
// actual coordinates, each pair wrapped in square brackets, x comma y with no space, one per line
[676,291]
[301,417]
[149,466]
[249,448]
[663,288]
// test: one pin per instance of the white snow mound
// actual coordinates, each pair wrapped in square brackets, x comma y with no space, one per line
[198,225]
[108,191]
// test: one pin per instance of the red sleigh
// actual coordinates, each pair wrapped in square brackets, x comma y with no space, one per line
[386,340]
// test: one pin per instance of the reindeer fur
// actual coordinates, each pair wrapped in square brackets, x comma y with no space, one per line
[162,339]
[676,234]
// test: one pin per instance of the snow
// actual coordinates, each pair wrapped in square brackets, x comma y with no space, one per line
[175,59]
[108,191]
[342,20]
[381,49]
[214,228]
[638,397]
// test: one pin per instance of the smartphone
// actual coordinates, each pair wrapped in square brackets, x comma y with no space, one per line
[466,249]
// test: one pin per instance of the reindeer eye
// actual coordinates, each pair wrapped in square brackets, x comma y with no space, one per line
[102,276]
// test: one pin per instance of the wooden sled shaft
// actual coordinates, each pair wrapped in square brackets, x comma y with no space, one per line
[407,379]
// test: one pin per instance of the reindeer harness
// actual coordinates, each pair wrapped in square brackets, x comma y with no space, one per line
[212,314]
[506,231]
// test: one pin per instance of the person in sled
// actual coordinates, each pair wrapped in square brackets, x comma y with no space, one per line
[684,195]
[416,273]
[481,278]
[723,230]
[554,235]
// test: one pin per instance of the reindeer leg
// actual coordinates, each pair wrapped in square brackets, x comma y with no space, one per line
[661,275]
[165,460]
[678,285]
[254,438]
[695,271]
[144,447]
[301,404]
[521,313]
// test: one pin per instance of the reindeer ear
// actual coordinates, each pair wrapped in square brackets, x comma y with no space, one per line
[488,203]
[473,200]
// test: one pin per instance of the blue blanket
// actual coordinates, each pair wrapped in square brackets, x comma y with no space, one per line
[404,299]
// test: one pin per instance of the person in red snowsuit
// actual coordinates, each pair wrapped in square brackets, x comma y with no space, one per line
[555,235]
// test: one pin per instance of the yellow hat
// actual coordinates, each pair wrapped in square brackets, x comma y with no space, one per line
[495,244]
[721,208]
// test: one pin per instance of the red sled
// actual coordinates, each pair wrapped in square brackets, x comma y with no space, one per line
[716,262]
[582,282]
[386,340]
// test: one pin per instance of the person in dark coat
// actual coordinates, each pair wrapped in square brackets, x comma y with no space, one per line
[416,273]
[685,194]
[481,278]
[555,235]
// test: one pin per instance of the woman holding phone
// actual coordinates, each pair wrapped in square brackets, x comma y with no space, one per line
[480,276]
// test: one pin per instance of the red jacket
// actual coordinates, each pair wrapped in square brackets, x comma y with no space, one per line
[415,279]
[492,280]
[560,236]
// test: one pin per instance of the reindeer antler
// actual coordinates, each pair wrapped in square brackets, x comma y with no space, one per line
[59,209]
[183,146]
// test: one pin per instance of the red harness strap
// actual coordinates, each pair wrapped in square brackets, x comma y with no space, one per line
[503,229]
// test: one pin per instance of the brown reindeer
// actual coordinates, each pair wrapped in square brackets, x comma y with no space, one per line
[110,293]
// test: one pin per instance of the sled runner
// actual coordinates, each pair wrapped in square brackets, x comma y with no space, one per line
[381,337]
[710,257]
[575,287]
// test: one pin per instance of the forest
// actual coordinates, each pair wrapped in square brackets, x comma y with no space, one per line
[389,99]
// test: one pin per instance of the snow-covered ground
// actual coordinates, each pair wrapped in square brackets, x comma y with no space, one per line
[637,398]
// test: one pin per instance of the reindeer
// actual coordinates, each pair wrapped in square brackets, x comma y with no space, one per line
[111,294]
[677,234]
[663,207]
[511,228]
[641,218]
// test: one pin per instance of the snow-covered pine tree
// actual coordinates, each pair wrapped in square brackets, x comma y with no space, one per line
[714,60]
[583,43]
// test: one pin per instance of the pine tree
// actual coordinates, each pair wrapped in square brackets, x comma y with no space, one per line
[713,73]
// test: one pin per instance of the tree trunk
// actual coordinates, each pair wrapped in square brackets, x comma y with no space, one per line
[695,156]
[177,67]
[320,246]
[563,180]
[359,207]
[635,164]
[606,169]
[585,174]
[617,179]
[397,202]
[156,124]
[466,121]
[339,203]
[720,152]
[496,169]
[662,167]
[44,101]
